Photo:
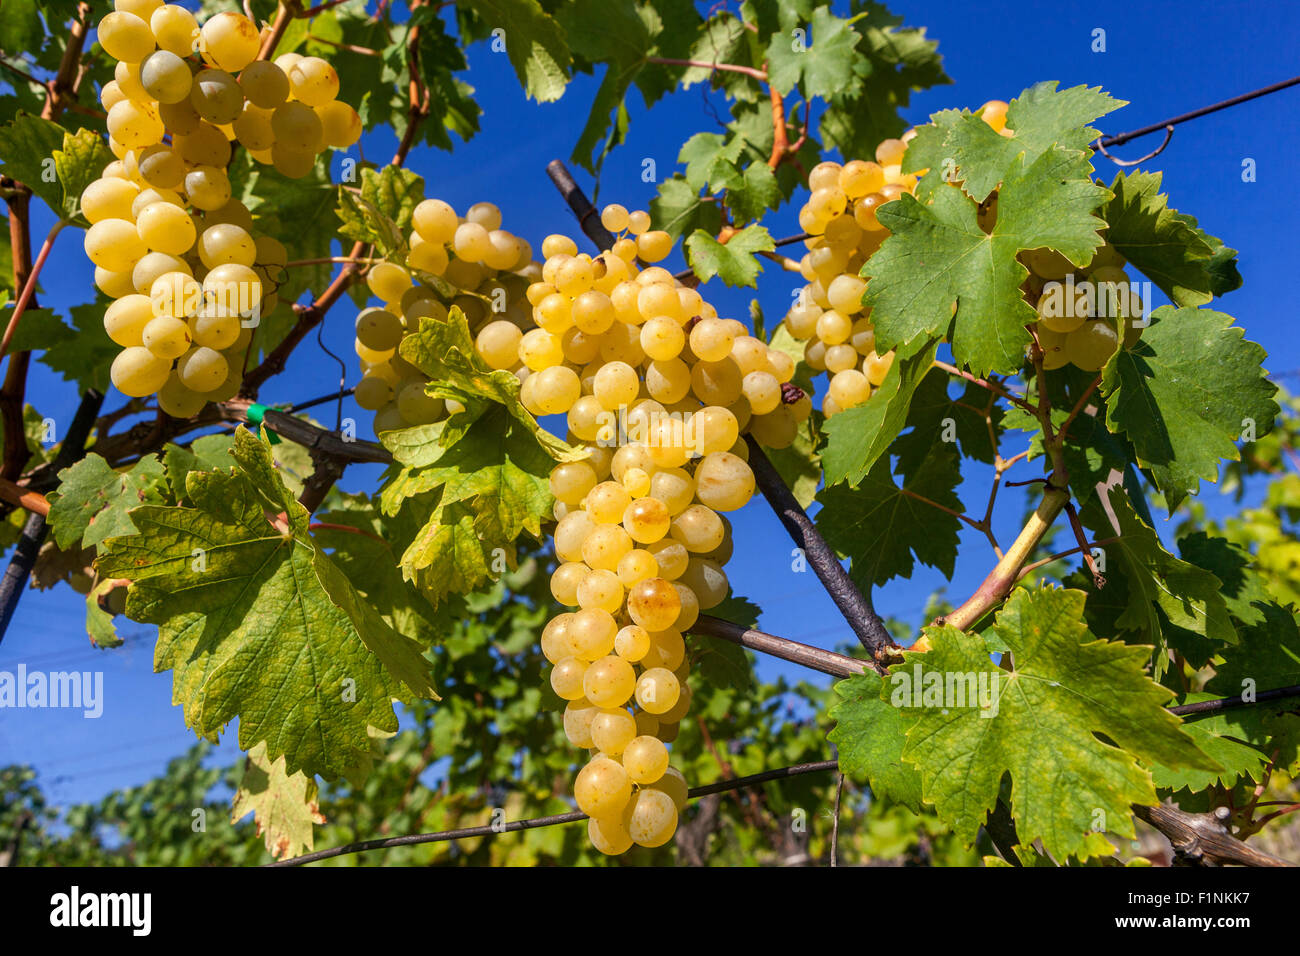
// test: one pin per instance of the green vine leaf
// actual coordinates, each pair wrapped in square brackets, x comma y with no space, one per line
[892,61]
[99,623]
[1043,119]
[27,147]
[476,480]
[256,623]
[1244,589]
[1164,595]
[677,209]
[381,214]
[753,193]
[205,453]
[39,330]
[857,437]
[880,525]
[371,561]
[1266,657]
[822,64]
[1065,687]
[79,163]
[939,270]
[616,35]
[93,502]
[869,735]
[1187,264]
[1181,412]
[1213,734]
[85,357]
[534,42]
[734,261]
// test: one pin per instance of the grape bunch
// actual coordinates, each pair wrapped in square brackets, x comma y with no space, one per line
[843,232]
[1077,308]
[1080,311]
[484,270]
[177,254]
[654,384]
[659,390]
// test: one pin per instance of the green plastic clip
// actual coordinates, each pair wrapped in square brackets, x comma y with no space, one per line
[255,414]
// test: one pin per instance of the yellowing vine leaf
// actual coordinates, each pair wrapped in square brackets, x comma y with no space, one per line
[283,804]
[261,625]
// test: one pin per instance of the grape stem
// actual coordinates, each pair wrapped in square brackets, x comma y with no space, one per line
[345,528]
[496,829]
[330,260]
[757,74]
[1085,548]
[780,135]
[997,585]
[71,450]
[287,10]
[1056,498]
[997,388]
[320,8]
[29,287]
[349,47]
[22,74]
[852,603]
[68,77]
[1079,406]
[13,392]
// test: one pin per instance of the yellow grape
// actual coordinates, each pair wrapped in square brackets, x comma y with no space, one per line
[231,40]
[644,758]
[612,729]
[609,682]
[602,788]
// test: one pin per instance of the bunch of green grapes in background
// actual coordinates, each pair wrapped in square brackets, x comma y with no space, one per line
[1084,313]
[843,233]
[177,254]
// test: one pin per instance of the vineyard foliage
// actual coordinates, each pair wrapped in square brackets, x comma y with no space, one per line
[315,627]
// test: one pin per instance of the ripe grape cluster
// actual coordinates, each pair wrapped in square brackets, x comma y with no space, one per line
[481,268]
[172,248]
[658,389]
[1078,309]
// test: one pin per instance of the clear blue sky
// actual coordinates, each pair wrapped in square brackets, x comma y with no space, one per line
[1163,57]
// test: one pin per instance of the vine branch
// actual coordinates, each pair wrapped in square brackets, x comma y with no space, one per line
[828,662]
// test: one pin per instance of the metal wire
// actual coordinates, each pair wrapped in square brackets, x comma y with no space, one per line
[343,376]
[1119,139]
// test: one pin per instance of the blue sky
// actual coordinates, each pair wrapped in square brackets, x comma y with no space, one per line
[1163,57]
